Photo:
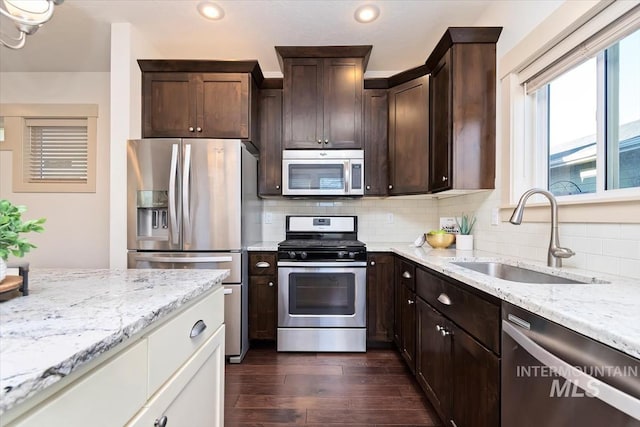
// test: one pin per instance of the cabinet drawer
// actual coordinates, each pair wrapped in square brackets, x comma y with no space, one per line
[171,344]
[262,263]
[478,317]
[107,396]
[406,273]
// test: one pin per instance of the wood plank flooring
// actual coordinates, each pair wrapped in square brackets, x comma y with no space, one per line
[324,389]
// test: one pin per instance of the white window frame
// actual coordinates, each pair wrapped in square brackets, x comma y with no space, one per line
[524,163]
[15,126]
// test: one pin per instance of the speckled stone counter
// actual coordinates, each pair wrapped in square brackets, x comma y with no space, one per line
[263,247]
[73,316]
[606,312]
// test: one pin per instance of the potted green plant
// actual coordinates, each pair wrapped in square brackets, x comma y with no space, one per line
[464,239]
[11,228]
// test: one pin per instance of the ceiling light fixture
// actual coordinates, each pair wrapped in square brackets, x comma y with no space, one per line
[210,10]
[367,13]
[28,16]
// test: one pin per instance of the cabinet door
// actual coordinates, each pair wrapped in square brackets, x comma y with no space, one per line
[433,357]
[342,93]
[379,294]
[376,146]
[440,125]
[398,298]
[409,328]
[409,137]
[223,105]
[303,103]
[476,383]
[270,166]
[168,105]
[263,307]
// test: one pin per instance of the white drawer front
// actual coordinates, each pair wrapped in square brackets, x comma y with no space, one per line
[171,344]
[105,397]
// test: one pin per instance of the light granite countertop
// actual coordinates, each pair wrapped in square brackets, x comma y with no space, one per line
[607,312]
[72,316]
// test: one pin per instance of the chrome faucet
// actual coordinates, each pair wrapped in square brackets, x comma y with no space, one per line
[556,252]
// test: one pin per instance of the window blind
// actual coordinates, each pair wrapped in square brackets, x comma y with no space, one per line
[581,45]
[57,151]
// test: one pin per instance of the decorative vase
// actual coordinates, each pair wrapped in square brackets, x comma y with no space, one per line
[3,269]
[464,242]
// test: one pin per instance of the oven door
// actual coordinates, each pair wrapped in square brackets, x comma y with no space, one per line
[322,294]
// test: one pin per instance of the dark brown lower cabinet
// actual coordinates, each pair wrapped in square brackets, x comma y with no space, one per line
[379,295]
[263,295]
[409,327]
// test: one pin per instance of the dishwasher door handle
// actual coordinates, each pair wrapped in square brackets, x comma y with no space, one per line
[606,393]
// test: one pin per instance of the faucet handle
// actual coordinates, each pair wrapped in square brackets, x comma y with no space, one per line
[562,252]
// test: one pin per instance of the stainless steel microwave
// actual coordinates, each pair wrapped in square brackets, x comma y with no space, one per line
[323,172]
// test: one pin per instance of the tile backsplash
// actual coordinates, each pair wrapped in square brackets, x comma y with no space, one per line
[379,220]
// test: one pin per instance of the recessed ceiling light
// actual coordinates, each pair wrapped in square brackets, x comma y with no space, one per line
[210,10]
[367,13]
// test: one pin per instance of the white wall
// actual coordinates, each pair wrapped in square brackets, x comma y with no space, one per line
[77,228]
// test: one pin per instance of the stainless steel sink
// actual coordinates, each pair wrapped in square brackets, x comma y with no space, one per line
[513,273]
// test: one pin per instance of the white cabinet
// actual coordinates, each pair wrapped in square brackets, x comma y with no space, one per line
[194,395]
[173,370]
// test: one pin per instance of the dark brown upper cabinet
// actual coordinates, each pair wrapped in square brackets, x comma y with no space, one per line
[323,96]
[376,146]
[409,137]
[200,99]
[270,166]
[462,105]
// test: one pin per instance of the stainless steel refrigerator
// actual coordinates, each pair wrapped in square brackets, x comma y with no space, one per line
[192,203]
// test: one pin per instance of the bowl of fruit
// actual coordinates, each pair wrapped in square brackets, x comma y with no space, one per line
[440,239]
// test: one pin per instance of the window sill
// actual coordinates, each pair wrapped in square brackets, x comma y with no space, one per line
[620,211]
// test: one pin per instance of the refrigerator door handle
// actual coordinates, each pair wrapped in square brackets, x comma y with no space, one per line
[186,199]
[202,259]
[173,217]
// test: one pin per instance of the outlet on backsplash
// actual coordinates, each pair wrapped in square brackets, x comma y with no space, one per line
[449,224]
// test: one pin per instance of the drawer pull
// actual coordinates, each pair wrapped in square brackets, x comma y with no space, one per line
[161,422]
[270,284]
[197,328]
[372,263]
[263,264]
[410,301]
[406,275]
[444,299]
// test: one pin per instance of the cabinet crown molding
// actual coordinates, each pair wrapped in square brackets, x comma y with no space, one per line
[356,51]
[203,66]
[456,35]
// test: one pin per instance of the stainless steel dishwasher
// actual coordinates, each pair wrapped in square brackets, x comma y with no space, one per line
[555,377]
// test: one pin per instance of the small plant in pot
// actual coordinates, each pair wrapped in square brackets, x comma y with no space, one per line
[464,240]
[11,228]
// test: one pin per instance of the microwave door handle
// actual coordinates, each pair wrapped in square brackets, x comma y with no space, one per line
[186,199]
[347,177]
[173,215]
[604,392]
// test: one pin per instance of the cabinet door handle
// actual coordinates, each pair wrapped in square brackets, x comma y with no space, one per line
[444,178]
[277,187]
[191,129]
[368,187]
[197,328]
[410,302]
[270,284]
[372,263]
[444,332]
[326,141]
[390,187]
[444,299]
[406,275]
[439,328]
[161,422]
[319,141]
[263,264]
[199,129]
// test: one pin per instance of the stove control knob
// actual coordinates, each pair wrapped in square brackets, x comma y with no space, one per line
[292,255]
[352,255]
[303,255]
[342,254]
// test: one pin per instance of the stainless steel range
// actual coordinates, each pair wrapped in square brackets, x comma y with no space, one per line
[322,285]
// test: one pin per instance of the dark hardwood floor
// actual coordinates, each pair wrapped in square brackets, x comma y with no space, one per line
[324,389]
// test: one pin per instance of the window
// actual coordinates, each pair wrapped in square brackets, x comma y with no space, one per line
[53,146]
[55,150]
[588,118]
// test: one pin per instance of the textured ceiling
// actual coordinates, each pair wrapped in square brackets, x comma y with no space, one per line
[78,36]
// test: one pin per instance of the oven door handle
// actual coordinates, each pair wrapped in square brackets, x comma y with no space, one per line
[346,264]
[598,389]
